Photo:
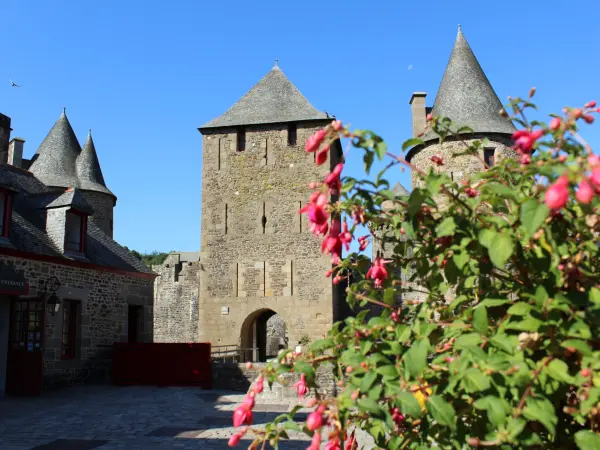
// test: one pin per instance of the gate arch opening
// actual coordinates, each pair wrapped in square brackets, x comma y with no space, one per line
[263,334]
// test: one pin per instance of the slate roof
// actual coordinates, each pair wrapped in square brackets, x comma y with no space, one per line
[89,173]
[28,227]
[466,95]
[400,190]
[71,198]
[56,157]
[274,99]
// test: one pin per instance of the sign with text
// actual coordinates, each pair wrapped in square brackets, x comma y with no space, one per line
[12,281]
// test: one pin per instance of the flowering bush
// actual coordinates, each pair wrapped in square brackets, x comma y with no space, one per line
[504,352]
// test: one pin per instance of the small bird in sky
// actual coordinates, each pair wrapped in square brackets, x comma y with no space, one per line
[13,84]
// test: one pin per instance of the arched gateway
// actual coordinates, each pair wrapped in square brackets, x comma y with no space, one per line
[263,334]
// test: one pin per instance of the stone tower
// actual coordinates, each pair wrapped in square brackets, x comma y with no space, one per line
[61,163]
[258,257]
[467,97]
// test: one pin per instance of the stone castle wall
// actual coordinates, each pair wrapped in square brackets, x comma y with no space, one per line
[103,205]
[176,301]
[104,298]
[251,264]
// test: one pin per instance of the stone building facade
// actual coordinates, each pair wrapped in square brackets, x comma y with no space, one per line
[258,258]
[466,97]
[68,291]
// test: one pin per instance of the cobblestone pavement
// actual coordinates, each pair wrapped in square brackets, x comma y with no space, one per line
[130,418]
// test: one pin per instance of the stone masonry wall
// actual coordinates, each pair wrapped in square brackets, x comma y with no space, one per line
[176,301]
[103,205]
[250,263]
[104,298]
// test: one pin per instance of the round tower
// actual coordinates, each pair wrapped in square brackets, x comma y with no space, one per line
[92,185]
[468,99]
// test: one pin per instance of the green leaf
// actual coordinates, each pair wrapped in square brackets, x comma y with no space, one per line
[487,237]
[475,381]
[467,340]
[533,215]
[519,309]
[389,296]
[415,359]
[416,199]
[389,372]
[501,250]
[442,411]
[434,183]
[367,381]
[446,227]
[587,440]
[411,143]
[497,409]
[292,426]
[322,344]
[381,149]
[460,259]
[372,407]
[501,190]
[503,342]
[559,370]
[305,368]
[529,324]
[409,405]
[541,410]
[595,296]
[578,345]
[480,320]
[368,160]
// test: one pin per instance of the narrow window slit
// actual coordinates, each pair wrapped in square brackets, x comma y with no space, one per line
[292,134]
[241,140]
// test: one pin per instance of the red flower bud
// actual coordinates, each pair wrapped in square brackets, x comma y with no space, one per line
[588,118]
[585,192]
[590,104]
[429,117]
[337,125]
[314,420]
[557,196]
[322,156]
[562,158]
[555,123]
[314,142]
[234,440]
[585,372]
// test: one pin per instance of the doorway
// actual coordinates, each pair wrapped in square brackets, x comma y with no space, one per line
[25,358]
[134,317]
[263,334]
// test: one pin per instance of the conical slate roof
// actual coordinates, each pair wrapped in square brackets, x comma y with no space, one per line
[400,190]
[466,95]
[89,173]
[274,99]
[55,158]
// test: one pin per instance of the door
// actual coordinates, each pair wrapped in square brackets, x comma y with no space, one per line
[25,363]
[134,317]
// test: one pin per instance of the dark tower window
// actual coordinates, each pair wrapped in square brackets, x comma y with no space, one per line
[241,140]
[489,156]
[292,134]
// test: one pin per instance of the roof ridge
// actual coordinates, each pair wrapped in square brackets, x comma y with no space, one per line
[273,99]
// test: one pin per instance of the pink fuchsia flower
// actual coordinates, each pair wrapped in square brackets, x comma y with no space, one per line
[248,402]
[526,159]
[333,180]
[259,385]
[314,142]
[242,415]
[590,104]
[585,192]
[301,386]
[314,421]
[315,442]
[377,272]
[234,440]
[351,443]
[437,159]
[363,242]
[595,179]
[471,192]
[557,194]
[333,444]
[322,156]
[346,236]
[337,125]
[594,160]
[555,123]
[525,139]
[332,244]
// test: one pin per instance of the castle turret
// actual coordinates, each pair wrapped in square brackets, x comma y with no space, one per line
[468,99]
[91,182]
[258,256]
[54,161]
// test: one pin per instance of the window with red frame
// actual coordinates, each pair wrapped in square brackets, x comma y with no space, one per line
[69,330]
[75,232]
[5,212]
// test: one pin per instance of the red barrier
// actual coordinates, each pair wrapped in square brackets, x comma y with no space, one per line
[158,364]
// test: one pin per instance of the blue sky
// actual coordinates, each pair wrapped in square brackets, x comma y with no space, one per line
[144,75]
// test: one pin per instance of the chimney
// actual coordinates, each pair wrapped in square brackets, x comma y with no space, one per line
[419,114]
[4,137]
[15,152]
